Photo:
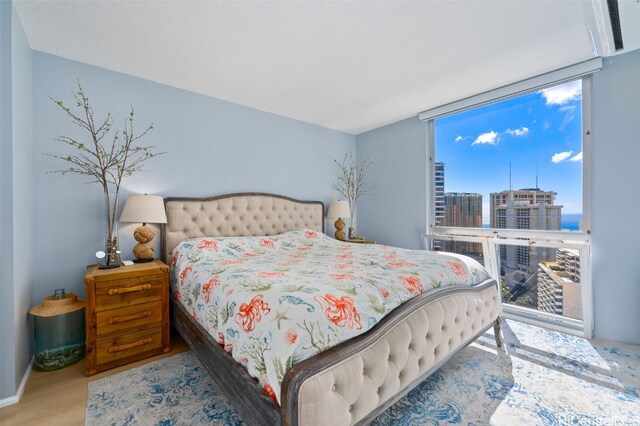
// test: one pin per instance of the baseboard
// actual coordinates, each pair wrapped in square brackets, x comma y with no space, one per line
[16,398]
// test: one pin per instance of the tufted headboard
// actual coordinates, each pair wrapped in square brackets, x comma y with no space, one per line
[236,215]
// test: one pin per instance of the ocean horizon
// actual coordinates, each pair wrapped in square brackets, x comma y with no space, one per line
[571,221]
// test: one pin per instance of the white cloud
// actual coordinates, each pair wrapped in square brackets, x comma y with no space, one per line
[490,138]
[460,138]
[570,114]
[577,157]
[561,156]
[563,94]
[546,125]
[522,131]
[567,108]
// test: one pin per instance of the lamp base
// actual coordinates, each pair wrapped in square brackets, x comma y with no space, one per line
[143,260]
[143,251]
[339,225]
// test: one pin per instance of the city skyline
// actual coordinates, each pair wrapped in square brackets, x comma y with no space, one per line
[534,140]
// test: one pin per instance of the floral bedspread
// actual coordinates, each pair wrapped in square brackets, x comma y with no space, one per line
[274,301]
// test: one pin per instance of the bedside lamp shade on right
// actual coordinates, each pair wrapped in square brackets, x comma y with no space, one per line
[339,209]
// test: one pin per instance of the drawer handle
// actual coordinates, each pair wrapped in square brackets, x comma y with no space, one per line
[123,290]
[118,348]
[125,318]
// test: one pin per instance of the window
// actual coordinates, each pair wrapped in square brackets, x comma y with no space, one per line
[521,156]
[510,172]
[522,219]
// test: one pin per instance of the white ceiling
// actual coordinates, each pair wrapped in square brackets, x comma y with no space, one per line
[347,65]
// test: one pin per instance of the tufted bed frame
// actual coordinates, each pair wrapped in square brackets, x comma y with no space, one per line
[350,383]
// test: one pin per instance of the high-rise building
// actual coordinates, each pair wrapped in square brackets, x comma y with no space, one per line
[569,261]
[439,200]
[524,209]
[559,285]
[463,210]
[439,192]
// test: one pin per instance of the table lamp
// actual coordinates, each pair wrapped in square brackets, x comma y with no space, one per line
[339,209]
[146,209]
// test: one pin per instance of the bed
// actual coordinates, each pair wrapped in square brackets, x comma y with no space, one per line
[353,381]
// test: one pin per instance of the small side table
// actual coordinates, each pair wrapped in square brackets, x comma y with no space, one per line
[127,314]
[360,241]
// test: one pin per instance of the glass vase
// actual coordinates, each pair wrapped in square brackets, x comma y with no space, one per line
[112,250]
[352,233]
[352,224]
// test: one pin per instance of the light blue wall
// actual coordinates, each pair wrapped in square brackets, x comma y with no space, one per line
[7,330]
[23,196]
[396,215]
[16,196]
[213,147]
[616,198]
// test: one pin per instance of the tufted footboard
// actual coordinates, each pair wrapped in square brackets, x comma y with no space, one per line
[354,382]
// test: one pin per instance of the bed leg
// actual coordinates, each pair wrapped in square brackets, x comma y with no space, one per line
[496,333]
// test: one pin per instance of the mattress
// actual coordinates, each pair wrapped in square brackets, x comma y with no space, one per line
[274,301]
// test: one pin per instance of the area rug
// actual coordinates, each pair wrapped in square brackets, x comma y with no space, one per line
[539,377]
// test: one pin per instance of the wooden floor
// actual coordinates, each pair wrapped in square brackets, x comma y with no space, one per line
[60,397]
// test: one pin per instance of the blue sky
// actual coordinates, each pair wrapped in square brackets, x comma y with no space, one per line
[542,128]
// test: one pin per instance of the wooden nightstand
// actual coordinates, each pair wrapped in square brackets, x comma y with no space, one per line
[127,314]
[360,241]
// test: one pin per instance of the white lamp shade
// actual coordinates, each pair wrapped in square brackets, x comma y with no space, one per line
[144,208]
[339,209]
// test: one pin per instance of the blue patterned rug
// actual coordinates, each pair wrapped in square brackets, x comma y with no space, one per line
[540,377]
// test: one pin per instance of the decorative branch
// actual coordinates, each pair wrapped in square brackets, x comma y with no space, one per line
[351,180]
[106,165]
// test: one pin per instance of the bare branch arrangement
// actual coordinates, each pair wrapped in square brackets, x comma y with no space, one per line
[104,163]
[350,182]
